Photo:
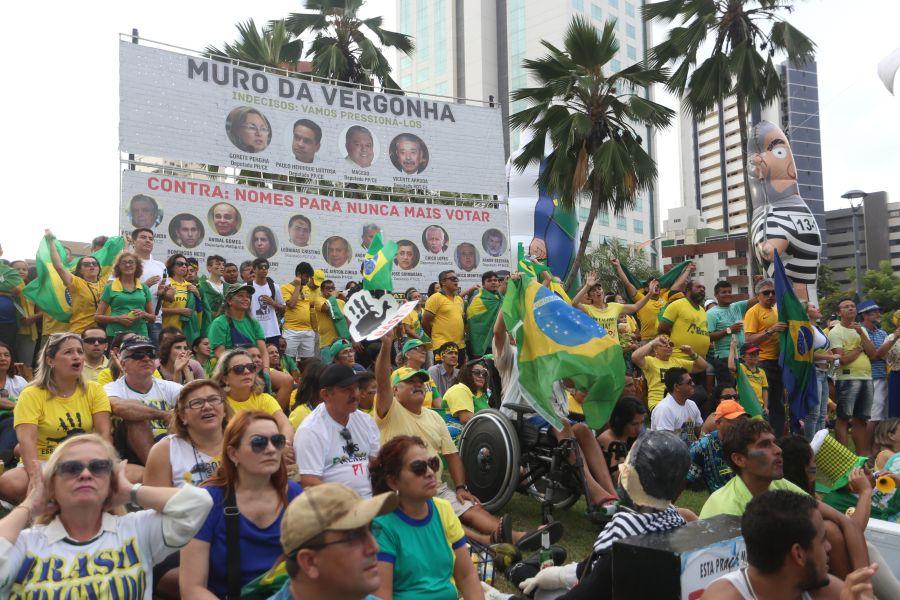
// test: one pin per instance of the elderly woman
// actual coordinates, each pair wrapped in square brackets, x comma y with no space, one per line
[56,405]
[252,479]
[248,129]
[236,328]
[77,501]
[126,299]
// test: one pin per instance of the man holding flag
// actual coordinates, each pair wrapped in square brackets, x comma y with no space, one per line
[761,329]
[481,313]
[671,283]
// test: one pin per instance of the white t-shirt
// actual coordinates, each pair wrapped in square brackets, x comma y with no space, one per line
[162,396]
[14,385]
[152,268]
[322,451]
[264,313]
[190,464]
[681,419]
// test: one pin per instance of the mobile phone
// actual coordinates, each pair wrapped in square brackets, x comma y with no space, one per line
[165,276]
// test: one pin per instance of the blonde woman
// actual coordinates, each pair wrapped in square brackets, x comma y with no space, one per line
[77,501]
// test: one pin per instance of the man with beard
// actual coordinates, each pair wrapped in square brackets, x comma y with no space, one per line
[787,552]
[686,324]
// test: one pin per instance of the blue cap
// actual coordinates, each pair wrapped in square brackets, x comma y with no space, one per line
[867,305]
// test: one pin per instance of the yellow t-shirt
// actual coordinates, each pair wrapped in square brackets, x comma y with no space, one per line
[264,402]
[608,318]
[847,340]
[414,320]
[759,318]
[574,406]
[58,418]
[105,376]
[91,373]
[757,380]
[689,326]
[448,324]
[428,425]
[179,301]
[459,398]
[655,373]
[649,314]
[51,325]
[85,297]
[298,414]
[327,332]
[299,318]
[28,307]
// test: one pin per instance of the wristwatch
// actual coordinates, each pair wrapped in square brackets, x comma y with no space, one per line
[728,330]
[134,491]
[462,487]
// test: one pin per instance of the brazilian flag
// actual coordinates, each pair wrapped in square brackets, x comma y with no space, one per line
[556,341]
[665,282]
[9,278]
[528,266]
[746,394]
[795,354]
[378,264]
[267,584]
[481,314]
[337,317]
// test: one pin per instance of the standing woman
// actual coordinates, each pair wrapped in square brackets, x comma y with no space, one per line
[56,405]
[175,359]
[126,299]
[78,503]
[27,335]
[11,385]
[252,482]
[84,286]
[180,309]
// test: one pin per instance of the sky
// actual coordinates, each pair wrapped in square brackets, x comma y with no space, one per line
[60,99]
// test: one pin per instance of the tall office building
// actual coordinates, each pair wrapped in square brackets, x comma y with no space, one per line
[474,49]
[711,151]
[870,232]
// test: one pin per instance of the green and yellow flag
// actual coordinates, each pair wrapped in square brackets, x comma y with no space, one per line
[267,584]
[9,278]
[481,314]
[341,326]
[378,265]
[527,266]
[746,394]
[556,341]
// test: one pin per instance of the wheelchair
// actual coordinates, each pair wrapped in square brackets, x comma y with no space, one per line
[503,455]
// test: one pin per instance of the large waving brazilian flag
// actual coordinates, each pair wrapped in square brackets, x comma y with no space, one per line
[378,265]
[795,345]
[556,341]
[481,314]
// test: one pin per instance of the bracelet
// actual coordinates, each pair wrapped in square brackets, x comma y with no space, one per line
[462,487]
[134,491]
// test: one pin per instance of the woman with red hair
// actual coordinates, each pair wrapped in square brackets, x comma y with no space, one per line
[251,487]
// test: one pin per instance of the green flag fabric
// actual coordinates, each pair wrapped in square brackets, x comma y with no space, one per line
[556,341]
[528,266]
[212,303]
[746,395]
[190,325]
[337,317]
[378,265]
[9,278]
[47,290]
[665,282]
[481,314]
[107,255]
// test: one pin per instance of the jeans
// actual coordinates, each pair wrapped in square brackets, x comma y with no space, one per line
[815,419]
[776,396]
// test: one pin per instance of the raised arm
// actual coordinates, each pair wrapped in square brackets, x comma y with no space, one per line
[629,287]
[630,309]
[678,286]
[291,302]
[61,270]
[385,394]
[638,356]
[732,354]
[590,280]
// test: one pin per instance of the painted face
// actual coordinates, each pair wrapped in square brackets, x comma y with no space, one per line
[189,233]
[336,253]
[763,458]
[467,257]
[143,213]
[434,240]
[261,244]
[305,144]
[225,219]
[360,148]
[299,232]
[406,257]
[216,267]
[409,155]
[254,133]
[346,357]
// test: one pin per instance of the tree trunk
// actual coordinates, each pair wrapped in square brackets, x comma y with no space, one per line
[751,252]
[585,236]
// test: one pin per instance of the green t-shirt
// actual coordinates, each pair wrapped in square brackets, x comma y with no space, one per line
[733,497]
[121,302]
[220,331]
[421,551]
[720,317]
[885,507]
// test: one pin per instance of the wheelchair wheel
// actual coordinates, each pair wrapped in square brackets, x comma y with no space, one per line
[489,450]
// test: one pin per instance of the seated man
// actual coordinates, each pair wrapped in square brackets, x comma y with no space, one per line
[787,552]
[677,412]
[708,465]
[399,411]
[142,402]
[749,447]
[414,356]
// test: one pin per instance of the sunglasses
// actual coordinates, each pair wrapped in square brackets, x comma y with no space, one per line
[73,468]
[354,536]
[243,368]
[728,396]
[454,279]
[94,340]
[180,263]
[86,263]
[480,372]
[258,443]
[264,267]
[768,292]
[140,355]
[420,467]
[214,400]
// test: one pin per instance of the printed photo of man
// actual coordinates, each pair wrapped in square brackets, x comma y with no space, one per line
[144,212]
[360,147]
[409,153]
[466,256]
[368,232]
[306,141]
[186,230]
[407,256]
[435,239]
[224,218]
[299,230]
[493,242]
[336,251]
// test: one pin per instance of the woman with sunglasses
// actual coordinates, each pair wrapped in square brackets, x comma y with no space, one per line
[465,398]
[179,309]
[126,299]
[84,286]
[11,385]
[252,478]
[423,550]
[236,373]
[56,405]
[77,502]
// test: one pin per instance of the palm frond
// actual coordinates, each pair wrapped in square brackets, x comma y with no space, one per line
[648,112]
[667,10]
[790,40]
[299,23]
[710,83]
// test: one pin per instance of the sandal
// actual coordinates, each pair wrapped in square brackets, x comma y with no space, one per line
[503,533]
[531,541]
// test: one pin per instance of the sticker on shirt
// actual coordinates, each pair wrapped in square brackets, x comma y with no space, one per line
[202,471]
[70,425]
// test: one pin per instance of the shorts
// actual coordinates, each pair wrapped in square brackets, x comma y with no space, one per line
[445,493]
[854,398]
[300,344]
[880,399]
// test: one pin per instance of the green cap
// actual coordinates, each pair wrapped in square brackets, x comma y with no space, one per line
[337,346]
[410,344]
[233,288]
[404,373]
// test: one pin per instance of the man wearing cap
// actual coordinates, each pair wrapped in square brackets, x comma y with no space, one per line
[141,401]
[336,441]
[725,319]
[762,329]
[413,352]
[708,464]
[444,372]
[341,352]
[301,323]
[330,552]
[235,328]
[853,377]
[266,303]
[443,318]
[870,315]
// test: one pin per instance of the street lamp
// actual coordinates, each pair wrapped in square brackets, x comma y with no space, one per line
[854,208]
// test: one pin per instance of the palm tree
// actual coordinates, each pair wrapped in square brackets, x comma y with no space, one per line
[589,114]
[745,35]
[341,50]
[270,46]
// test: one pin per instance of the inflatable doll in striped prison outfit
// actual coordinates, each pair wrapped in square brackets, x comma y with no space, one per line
[781,219]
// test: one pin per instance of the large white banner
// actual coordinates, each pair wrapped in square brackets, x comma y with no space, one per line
[183,107]
[201,218]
